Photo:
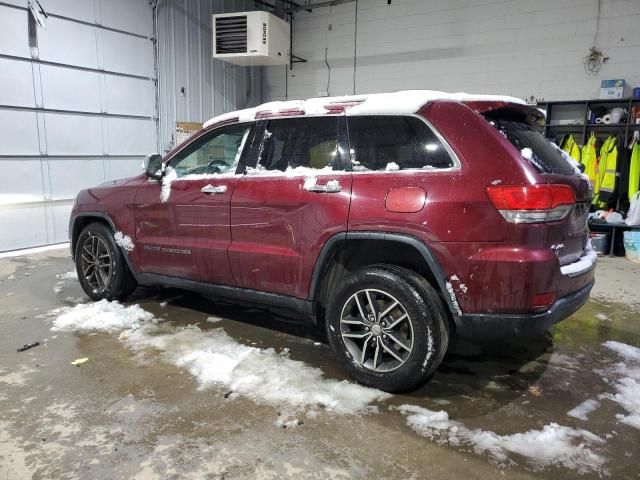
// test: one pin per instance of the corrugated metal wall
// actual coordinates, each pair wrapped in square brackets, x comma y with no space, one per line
[211,87]
[77,107]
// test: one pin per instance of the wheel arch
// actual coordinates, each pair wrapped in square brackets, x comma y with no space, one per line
[347,251]
[81,219]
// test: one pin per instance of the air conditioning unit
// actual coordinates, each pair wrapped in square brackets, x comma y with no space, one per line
[250,38]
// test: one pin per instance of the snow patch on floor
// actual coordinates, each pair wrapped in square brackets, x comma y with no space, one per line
[216,359]
[627,384]
[584,409]
[262,375]
[553,445]
[72,275]
[102,316]
[124,241]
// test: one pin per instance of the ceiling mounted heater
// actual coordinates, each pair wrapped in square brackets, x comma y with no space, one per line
[250,38]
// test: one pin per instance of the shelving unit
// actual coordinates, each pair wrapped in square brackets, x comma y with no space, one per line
[578,109]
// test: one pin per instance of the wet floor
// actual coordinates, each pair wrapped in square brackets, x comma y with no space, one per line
[133,414]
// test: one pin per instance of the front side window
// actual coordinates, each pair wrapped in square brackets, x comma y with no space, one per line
[218,152]
[380,143]
[300,142]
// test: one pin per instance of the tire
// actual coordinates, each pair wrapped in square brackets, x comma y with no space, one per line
[115,282]
[418,342]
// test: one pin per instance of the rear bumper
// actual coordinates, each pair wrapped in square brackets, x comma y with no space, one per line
[494,326]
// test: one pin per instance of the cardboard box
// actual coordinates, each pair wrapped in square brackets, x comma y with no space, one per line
[614,88]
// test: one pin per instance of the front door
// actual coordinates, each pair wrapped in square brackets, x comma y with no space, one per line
[183,227]
[287,206]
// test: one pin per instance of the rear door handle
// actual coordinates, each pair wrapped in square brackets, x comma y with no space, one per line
[210,189]
[332,186]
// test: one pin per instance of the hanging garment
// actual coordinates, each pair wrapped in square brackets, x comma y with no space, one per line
[624,167]
[572,148]
[602,162]
[590,162]
[607,172]
[634,171]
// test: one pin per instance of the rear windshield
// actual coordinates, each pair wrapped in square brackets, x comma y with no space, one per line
[543,156]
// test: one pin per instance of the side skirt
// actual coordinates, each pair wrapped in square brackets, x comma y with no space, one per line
[240,295]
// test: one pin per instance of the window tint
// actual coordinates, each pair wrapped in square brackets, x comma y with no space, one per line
[300,142]
[216,153]
[545,158]
[394,143]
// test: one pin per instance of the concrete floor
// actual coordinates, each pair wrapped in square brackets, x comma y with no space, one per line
[123,415]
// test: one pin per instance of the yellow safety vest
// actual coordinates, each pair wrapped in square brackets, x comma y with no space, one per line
[634,171]
[590,162]
[572,148]
[608,168]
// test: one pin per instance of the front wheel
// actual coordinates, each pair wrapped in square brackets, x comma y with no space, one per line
[387,326]
[101,266]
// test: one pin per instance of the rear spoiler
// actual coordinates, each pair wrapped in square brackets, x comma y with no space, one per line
[504,110]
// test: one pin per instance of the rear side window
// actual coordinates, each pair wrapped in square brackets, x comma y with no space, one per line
[544,157]
[300,142]
[394,143]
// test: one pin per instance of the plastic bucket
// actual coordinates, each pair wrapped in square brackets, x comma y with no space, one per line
[601,243]
[632,246]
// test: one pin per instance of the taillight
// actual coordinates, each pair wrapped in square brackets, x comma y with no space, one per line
[543,300]
[532,203]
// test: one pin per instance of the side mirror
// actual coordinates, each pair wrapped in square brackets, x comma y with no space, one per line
[153,166]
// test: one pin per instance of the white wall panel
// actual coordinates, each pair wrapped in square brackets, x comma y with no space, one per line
[96,72]
[13,32]
[77,9]
[129,96]
[70,89]
[67,176]
[124,53]
[73,134]
[519,47]
[120,167]
[25,224]
[21,180]
[18,133]
[126,15]
[68,42]
[131,136]
[16,83]
[58,221]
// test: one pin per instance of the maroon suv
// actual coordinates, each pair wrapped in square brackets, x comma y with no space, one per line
[395,220]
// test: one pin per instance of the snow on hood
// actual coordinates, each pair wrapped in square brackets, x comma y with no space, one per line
[399,103]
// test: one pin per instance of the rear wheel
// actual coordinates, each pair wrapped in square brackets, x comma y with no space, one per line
[102,269]
[388,328]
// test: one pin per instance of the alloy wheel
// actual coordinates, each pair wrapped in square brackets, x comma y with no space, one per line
[96,262]
[377,330]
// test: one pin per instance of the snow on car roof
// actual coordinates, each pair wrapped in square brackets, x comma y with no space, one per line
[399,103]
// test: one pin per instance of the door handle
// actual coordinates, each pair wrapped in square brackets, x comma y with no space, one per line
[209,189]
[332,186]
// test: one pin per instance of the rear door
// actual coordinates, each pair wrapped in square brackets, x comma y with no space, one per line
[183,226]
[293,198]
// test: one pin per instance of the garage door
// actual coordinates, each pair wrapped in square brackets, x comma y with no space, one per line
[77,107]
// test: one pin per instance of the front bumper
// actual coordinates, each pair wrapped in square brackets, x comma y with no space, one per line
[495,326]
